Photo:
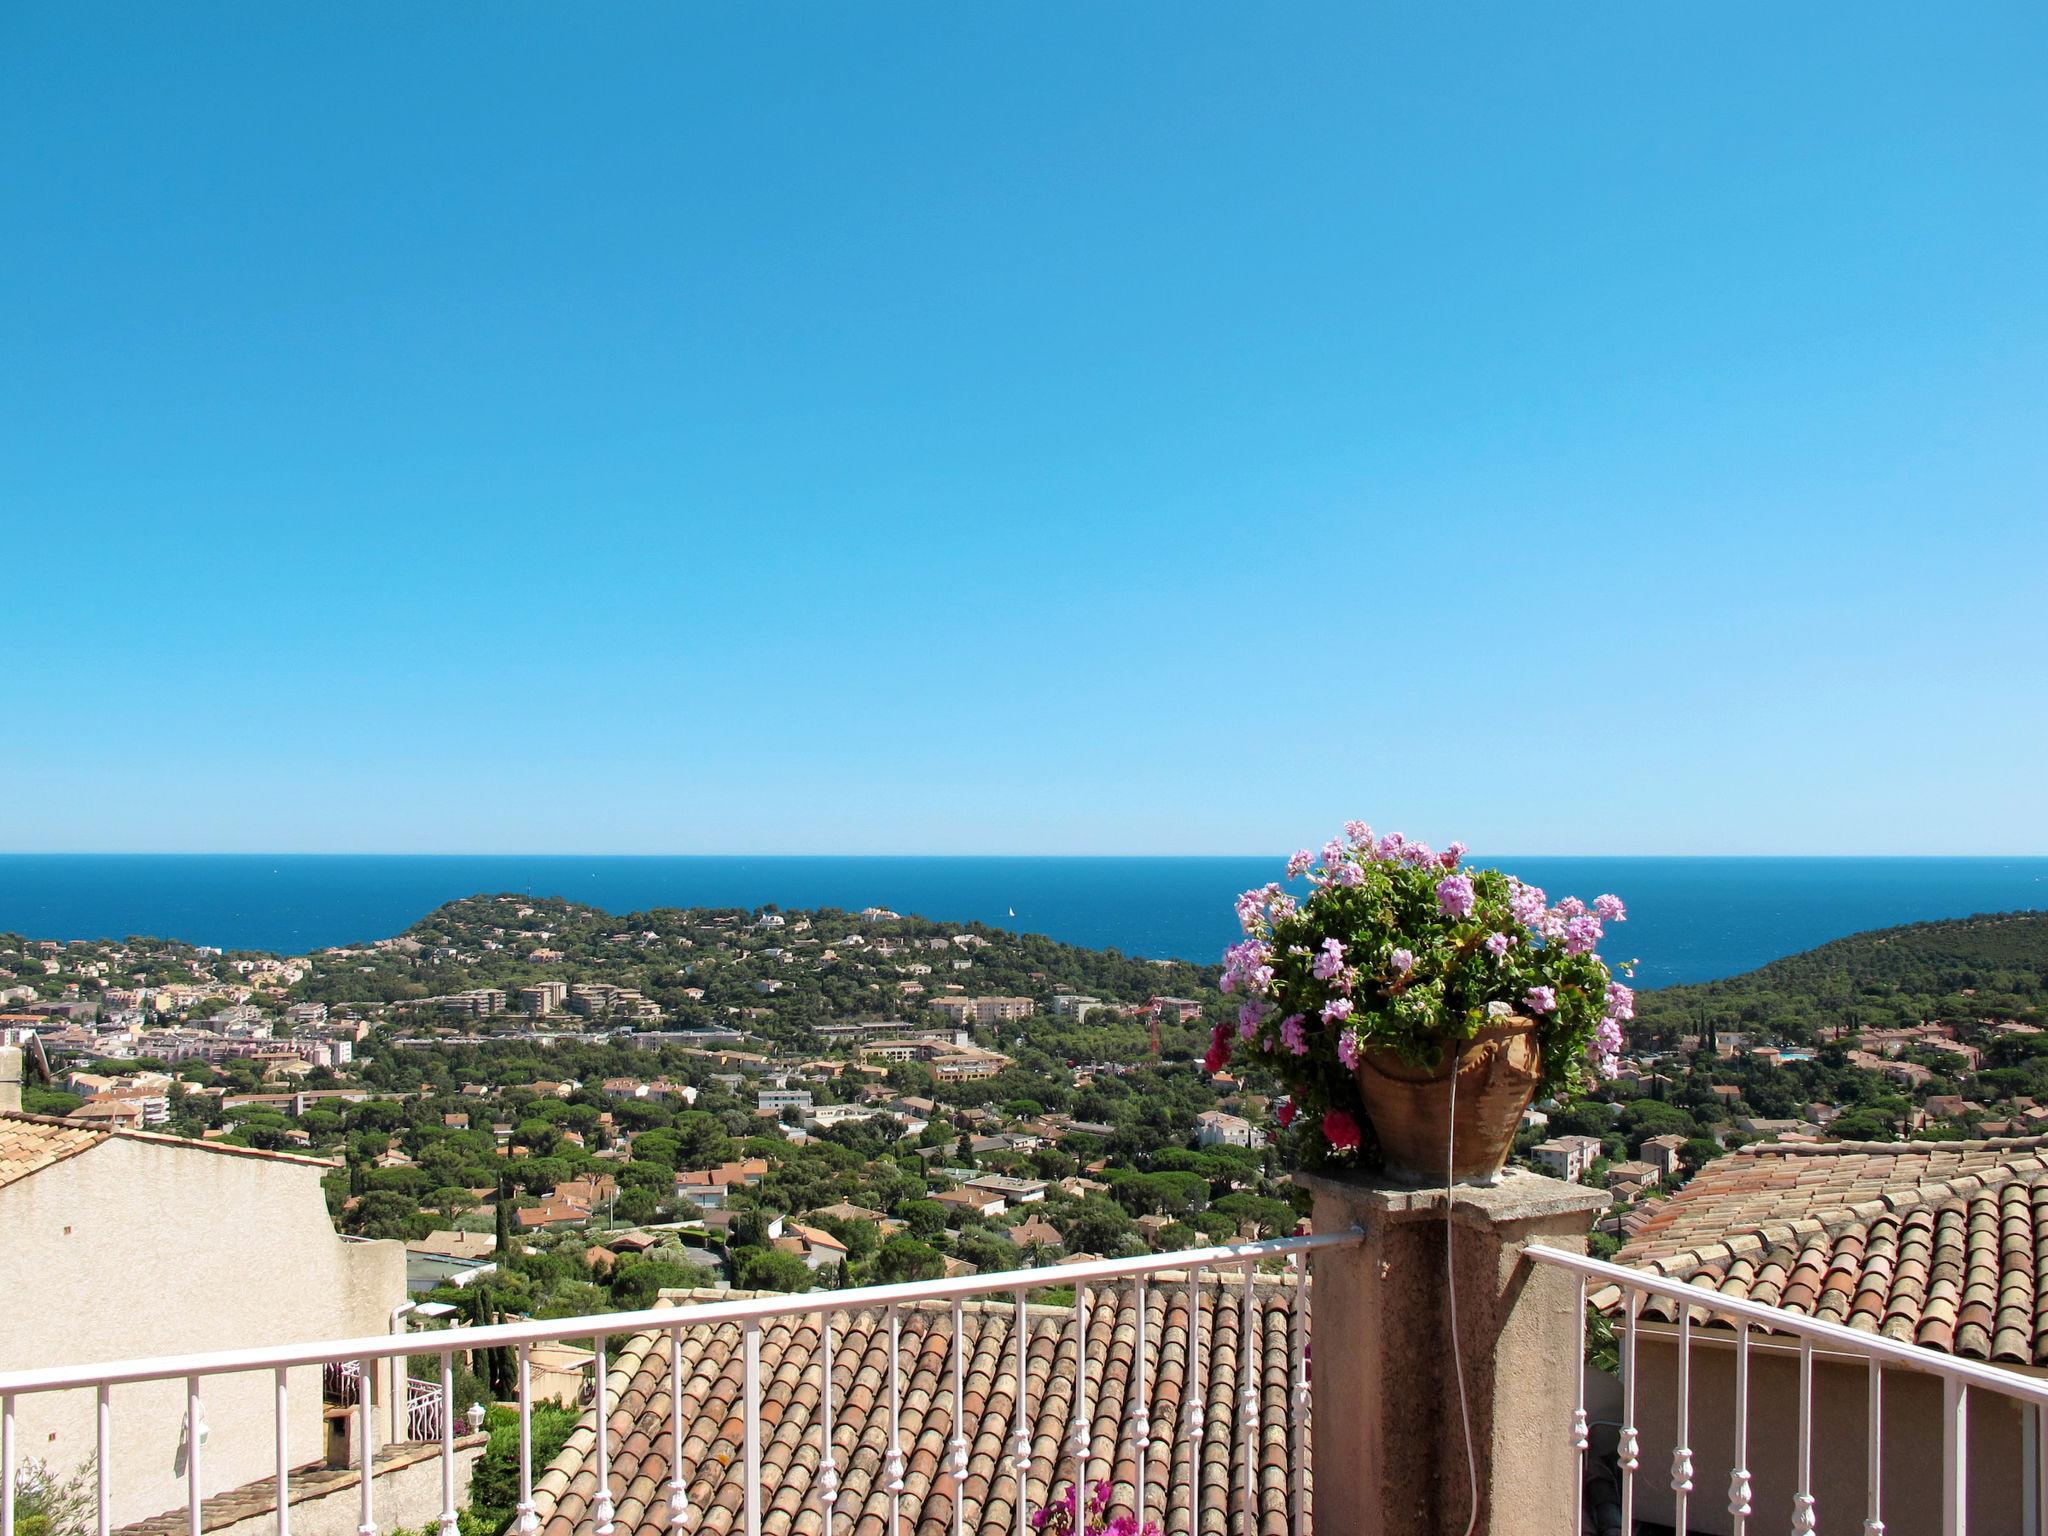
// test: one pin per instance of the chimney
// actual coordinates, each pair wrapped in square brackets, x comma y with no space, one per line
[10,1078]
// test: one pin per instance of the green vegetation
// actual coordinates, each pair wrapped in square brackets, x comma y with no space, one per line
[1960,970]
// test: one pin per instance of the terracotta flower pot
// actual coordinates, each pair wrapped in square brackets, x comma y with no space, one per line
[1497,1071]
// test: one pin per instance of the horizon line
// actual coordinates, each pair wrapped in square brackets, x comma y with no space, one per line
[386,853]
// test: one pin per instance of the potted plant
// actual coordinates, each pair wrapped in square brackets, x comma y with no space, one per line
[1426,999]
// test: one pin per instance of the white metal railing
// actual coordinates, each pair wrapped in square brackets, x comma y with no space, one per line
[424,1409]
[1704,1311]
[341,1381]
[350,1360]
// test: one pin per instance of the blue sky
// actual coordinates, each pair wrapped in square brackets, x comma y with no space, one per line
[1133,428]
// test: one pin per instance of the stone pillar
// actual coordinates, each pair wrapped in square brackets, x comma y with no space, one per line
[1389,1445]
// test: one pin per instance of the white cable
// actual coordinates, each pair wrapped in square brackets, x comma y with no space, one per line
[1451,1291]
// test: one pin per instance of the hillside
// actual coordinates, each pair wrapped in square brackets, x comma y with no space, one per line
[1992,966]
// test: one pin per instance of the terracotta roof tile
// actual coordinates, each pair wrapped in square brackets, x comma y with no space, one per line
[30,1143]
[642,1385]
[1948,1251]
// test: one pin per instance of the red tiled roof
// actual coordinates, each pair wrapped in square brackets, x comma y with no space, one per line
[30,1143]
[791,1373]
[1941,1244]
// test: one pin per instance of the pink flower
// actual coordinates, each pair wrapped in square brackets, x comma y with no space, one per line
[1285,1113]
[1581,933]
[1527,902]
[1390,845]
[1402,961]
[1298,865]
[1335,1009]
[1621,1001]
[1454,897]
[1540,999]
[1452,854]
[1571,906]
[1358,834]
[1610,909]
[1349,1049]
[1219,1050]
[1349,873]
[1340,1130]
[1498,944]
[1293,1036]
[1330,961]
[1248,1019]
[1333,853]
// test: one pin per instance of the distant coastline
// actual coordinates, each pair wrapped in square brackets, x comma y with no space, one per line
[1692,919]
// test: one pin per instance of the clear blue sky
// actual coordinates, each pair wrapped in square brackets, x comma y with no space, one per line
[1023,428]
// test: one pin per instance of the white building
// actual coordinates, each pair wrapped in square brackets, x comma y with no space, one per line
[1567,1157]
[1214,1128]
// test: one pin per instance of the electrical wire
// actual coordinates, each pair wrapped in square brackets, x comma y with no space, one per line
[1451,1292]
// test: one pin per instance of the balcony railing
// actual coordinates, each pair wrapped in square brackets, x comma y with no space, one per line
[1699,1314]
[1275,1421]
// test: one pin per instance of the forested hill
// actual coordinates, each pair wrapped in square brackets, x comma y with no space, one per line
[1993,966]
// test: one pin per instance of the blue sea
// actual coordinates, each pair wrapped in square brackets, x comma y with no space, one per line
[1689,919]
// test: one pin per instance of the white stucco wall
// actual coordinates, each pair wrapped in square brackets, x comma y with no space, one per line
[139,1248]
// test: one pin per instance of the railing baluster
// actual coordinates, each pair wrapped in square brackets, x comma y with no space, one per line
[1873,1467]
[1803,1516]
[892,1462]
[678,1488]
[1955,1457]
[1681,1450]
[194,1487]
[957,1460]
[1580,1436]
[828,1461]
[1194,1394]
[1739,1492]
[1141,1403]
[1625,1448]
[1077,1427]
[103,1449]
[601,1508]
[366,1427]
[528,1521]
[1248,1360]
[282,1386]
[7,1466]
[1300,1445]
[1020,1441]
[449,1523]
[753,1426]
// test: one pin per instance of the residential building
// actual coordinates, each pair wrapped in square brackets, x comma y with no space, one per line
[544,998]
[1214,1128]
[1011,1190]
[985,1010]
[1662,1153]
[1566,1157]
[182,1247]
[981,1202]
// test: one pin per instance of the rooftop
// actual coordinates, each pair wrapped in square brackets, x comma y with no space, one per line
[643,1444]
[1940,1244]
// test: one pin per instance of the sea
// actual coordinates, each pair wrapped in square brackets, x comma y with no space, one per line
[1690,919]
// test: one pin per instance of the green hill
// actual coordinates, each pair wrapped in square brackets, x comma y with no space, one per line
[1992,966]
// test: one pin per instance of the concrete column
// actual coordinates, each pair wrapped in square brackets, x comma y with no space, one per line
[10,1078]
[1389,1442]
